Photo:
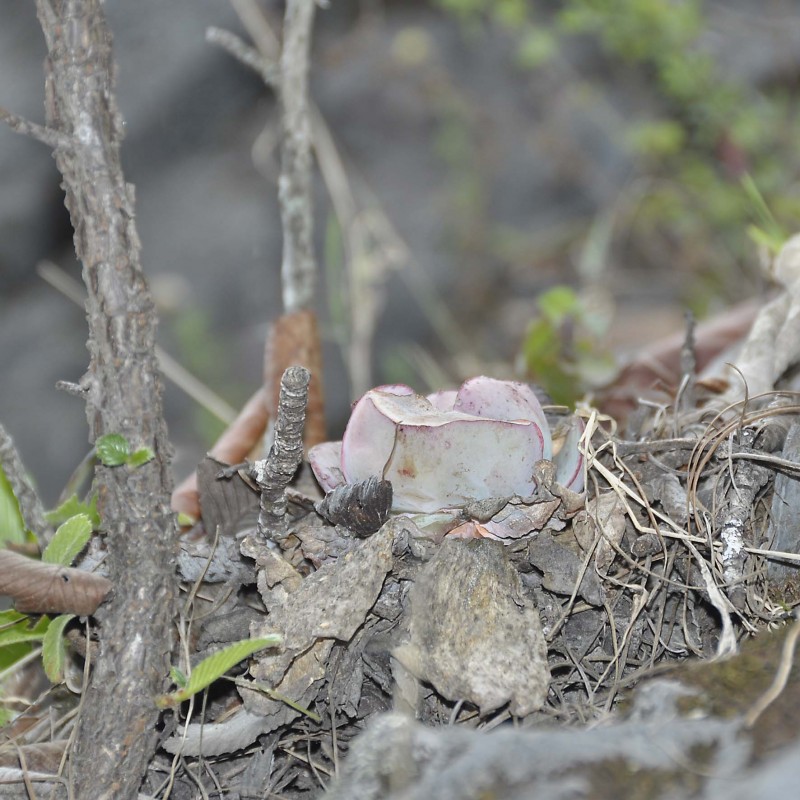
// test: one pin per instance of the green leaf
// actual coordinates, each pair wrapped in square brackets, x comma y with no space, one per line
[54,651]
[71,507]
[70,538]
[558,302]
[177,677]
[16,628]
[140,456]
[112,449]
[215,666]
[185,520]
[12,526]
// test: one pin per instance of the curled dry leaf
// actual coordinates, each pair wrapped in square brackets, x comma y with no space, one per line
[294,339]
[232,447]
[361,507]
[39,588]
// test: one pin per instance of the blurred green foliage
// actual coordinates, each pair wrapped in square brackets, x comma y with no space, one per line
[563,348]
[716,155]
[712,130]
[12,526]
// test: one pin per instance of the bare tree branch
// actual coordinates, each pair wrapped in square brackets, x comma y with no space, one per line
[116,731]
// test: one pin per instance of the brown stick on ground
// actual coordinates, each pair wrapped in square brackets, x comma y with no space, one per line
[116,731]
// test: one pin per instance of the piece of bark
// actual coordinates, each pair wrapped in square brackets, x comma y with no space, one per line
[273,474]
[475,634]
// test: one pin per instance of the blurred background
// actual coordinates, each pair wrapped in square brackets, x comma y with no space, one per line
[503,187]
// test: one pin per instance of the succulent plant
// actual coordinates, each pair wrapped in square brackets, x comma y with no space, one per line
[451,448]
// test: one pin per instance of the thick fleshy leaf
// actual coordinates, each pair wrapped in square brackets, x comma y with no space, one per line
[459,459]
[394,388]
[368,440]
[326,462]
[506,400]
[443,400]
[569,459]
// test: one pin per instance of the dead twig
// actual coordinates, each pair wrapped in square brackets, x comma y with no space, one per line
[273,473]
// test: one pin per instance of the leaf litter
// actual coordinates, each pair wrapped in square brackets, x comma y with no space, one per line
[683,545]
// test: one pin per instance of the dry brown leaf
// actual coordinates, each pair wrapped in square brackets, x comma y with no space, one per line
[660,361]
[235,444]
[294,340]
[226,504]
[39,588]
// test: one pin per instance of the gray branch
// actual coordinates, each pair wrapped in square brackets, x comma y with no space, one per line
[116,731]
[273,473]
[298,268]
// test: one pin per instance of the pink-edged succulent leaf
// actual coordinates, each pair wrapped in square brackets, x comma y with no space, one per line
[326,463]
[508,400]
[449,449]
[459,458]
[394,388]
[569,459]
[438,459]
[369,437]
[443,400]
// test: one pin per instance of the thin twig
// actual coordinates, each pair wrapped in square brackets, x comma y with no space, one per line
[48,136]
[298,267]
[173,371]
[273,473]
[249,56]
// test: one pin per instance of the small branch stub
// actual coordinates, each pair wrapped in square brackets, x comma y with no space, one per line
[273,474]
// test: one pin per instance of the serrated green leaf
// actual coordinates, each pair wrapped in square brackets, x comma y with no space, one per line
[54,651]
[70,538]
[12,526]
[22,629]
[71,507]
[215,666]
[140,456]
[177,677]
[112,449]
